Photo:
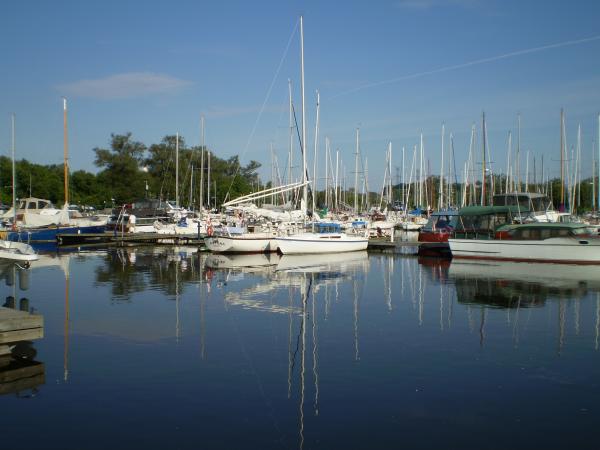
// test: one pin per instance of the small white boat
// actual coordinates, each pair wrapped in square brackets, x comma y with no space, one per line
[231,241]
[17,251]
[328,240]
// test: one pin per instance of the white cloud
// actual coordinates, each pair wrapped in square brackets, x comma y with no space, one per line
[124,85]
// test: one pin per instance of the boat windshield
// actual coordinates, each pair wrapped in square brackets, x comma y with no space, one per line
[540,233]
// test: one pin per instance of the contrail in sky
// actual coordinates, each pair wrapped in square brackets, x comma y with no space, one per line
[467,64]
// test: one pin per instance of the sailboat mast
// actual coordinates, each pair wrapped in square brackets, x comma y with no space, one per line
[208,179]
[177,170]
[483,160]
[518,162]
[314,187]
[201,206]
[441,199]
[356,174]
[304,180]
[66,151]
[562,158]
[327,156]
[14,181]
[291,149]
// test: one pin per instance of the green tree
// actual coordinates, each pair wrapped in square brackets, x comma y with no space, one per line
[122,166]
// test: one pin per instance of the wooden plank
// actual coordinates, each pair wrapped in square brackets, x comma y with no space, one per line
[21,375]
[29,334]
[12,320]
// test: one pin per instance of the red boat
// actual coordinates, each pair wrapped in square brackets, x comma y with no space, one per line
[433,237]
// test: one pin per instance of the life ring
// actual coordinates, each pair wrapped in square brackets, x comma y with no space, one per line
[209,230]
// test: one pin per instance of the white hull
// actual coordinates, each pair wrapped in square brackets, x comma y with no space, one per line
[248,243]
[567,250]
[552,276]
[323,262]
[17,251]
[321,243]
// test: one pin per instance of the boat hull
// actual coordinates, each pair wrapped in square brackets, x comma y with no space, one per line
[314,243]
[240,244]
[561,250]
[17,251]
[48,234]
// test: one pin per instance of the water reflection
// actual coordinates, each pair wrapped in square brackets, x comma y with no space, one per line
[20,373]
[131,270]
[356,350]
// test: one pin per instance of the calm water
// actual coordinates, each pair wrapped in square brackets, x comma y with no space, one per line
[163,348]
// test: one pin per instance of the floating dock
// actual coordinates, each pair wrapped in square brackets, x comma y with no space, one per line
[18,371]
[127,238]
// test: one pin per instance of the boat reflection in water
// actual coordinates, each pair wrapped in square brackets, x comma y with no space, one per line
[515,284]
[304,278]
[20,373]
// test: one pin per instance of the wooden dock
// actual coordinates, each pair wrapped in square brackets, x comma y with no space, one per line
[384,245]
[112,238]
[18,371]
[18,326]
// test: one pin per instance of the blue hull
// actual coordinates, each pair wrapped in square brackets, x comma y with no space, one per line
[48,234]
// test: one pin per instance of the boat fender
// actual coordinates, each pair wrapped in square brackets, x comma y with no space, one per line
[209,230]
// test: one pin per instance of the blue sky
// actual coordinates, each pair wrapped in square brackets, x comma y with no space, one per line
[152,68]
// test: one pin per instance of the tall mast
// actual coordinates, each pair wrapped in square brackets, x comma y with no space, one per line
[390,196]
[201,163]
[508,152]
[66,151]
[304,180]
[327,156]
[177,170]
[14,181]
[337,173]
[598,144]
[441,199]
[291,149]
[483,160]
[518,162]
[314,187]
[562,158]
[356,174]
[208,179]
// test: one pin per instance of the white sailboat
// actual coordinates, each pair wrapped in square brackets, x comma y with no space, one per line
[16,251]
[330,239]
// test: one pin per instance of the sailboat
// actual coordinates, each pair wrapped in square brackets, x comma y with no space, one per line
[37,220]
[324,238]
[16,251]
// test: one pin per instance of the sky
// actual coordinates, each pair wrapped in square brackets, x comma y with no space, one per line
[392,68]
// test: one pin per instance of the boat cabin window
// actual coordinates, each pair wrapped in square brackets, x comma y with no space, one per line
[31,205]
[22,204]
[327,228]
[42,204]
[537,234]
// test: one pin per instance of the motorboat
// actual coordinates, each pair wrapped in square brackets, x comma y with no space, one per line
[17,251]
[536,242]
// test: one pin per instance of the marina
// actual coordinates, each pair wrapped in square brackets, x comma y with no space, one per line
[300,225]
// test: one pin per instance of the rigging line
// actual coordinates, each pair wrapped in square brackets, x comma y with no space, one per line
[264,104]
[467,64]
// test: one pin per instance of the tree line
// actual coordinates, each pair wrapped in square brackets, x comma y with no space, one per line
[128,171]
